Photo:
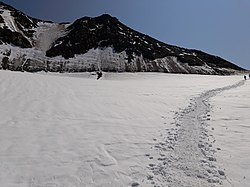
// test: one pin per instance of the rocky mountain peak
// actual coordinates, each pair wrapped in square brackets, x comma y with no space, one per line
[90,43]
[22,20]
[16,27]
[7,7]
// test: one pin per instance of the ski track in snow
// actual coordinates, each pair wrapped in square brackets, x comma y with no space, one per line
[186,153]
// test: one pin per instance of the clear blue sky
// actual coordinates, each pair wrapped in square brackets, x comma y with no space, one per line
[219,27]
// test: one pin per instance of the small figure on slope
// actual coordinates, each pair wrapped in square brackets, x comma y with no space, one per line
[99,74]
[245,77]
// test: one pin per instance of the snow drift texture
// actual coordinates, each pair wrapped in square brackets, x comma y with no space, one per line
[126,130]
[90,44]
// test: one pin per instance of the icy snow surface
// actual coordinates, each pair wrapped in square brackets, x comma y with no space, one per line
[231,124]
[122,130]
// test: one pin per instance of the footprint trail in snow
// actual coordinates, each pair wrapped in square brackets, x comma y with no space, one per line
[185,155]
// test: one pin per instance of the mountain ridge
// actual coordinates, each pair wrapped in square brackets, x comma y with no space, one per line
[90,44]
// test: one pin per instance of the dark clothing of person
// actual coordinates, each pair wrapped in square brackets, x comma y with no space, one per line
[245,77]
[99,74]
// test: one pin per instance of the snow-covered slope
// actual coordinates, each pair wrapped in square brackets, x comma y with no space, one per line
[90,44]
[46,33]
[124,130]
[230,121]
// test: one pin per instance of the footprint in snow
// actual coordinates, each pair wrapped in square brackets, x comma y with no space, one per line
[135,184]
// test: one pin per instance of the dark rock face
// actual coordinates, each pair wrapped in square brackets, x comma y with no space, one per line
[5,63]
[87,33]
[105,31]
[1,19]
[15,38]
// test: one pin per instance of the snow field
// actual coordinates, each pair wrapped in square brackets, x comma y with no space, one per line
[58,130]
[230,123]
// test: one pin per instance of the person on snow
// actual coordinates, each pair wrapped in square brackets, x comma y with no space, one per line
[245,77]
[99,74]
